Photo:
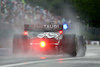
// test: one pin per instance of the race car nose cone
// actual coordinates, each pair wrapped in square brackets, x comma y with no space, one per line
[42,44]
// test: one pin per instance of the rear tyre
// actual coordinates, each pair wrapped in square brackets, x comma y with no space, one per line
[20,44]
[69,45]
[81,46]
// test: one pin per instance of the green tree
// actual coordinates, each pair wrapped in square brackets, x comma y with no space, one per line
[89,10]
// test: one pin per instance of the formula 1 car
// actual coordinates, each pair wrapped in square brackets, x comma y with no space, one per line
[46,38]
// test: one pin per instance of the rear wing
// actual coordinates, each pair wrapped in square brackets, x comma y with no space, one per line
[43,27]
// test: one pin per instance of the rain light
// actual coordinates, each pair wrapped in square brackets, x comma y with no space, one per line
[65,26]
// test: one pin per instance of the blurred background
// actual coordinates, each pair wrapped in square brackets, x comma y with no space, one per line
[81,16]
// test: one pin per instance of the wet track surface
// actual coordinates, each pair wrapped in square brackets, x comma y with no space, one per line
[91,59]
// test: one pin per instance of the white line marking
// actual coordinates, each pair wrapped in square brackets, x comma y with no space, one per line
[91,54]
[32,62]
[83,62]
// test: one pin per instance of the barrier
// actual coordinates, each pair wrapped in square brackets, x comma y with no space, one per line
[93,42]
